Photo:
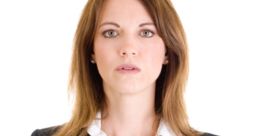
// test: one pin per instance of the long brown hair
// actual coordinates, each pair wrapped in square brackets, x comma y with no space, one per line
[86,83]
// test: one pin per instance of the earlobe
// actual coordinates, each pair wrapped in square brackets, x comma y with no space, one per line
[165,60]
[92,60]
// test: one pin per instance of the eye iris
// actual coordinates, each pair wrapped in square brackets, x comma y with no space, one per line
[147,34]
[111,33]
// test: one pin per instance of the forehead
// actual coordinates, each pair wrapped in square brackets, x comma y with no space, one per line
[124,11]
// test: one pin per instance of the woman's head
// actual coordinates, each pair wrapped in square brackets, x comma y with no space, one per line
[127,49]
[168,70]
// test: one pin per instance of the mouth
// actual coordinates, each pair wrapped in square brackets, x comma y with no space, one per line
[128,68]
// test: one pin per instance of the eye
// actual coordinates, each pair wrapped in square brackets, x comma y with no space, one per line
[147,33]
[110,34]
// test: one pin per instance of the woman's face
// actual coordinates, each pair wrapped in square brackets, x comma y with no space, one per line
[128,52]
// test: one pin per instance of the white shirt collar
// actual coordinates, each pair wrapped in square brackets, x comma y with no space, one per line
[95,128]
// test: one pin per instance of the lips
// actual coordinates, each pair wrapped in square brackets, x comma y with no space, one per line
[128,68]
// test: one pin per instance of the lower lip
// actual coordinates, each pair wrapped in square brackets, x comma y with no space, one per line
[127,71]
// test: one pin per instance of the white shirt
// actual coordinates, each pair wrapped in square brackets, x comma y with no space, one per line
[95,128]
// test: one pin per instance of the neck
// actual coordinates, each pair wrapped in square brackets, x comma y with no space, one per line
[130,114]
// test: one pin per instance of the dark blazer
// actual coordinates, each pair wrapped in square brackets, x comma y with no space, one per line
[51,130]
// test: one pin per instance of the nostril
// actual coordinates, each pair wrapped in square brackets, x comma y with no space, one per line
[124,53]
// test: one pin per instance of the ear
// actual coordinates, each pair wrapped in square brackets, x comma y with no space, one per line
[92,58]
[165,60]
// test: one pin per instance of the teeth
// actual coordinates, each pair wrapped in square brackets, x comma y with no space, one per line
[128,68]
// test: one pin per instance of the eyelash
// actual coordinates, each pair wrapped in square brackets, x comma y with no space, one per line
[107,32]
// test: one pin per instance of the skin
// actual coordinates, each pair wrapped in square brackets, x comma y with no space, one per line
[126,35]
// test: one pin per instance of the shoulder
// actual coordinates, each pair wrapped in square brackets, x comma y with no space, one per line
[208,134]
[50,131]
[45,131]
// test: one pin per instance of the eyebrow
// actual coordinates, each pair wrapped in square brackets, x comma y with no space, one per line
[117,25]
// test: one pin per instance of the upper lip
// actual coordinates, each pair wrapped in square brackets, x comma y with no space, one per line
[127,67]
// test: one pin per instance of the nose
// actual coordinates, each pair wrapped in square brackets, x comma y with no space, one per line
[128,48]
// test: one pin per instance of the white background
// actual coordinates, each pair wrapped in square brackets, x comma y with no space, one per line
[35,50]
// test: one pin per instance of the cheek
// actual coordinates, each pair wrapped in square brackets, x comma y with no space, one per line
[100,50]
[101,57]
[101,60]
[156,52]
[104,57]
[154,63]
[156,59]
[155,56]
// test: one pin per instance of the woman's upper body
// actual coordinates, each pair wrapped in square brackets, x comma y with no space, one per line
[130,62]
[95,130]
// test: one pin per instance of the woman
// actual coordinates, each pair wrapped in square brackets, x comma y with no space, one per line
[128,74]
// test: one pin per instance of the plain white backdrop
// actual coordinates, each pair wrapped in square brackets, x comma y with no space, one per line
[35,51]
